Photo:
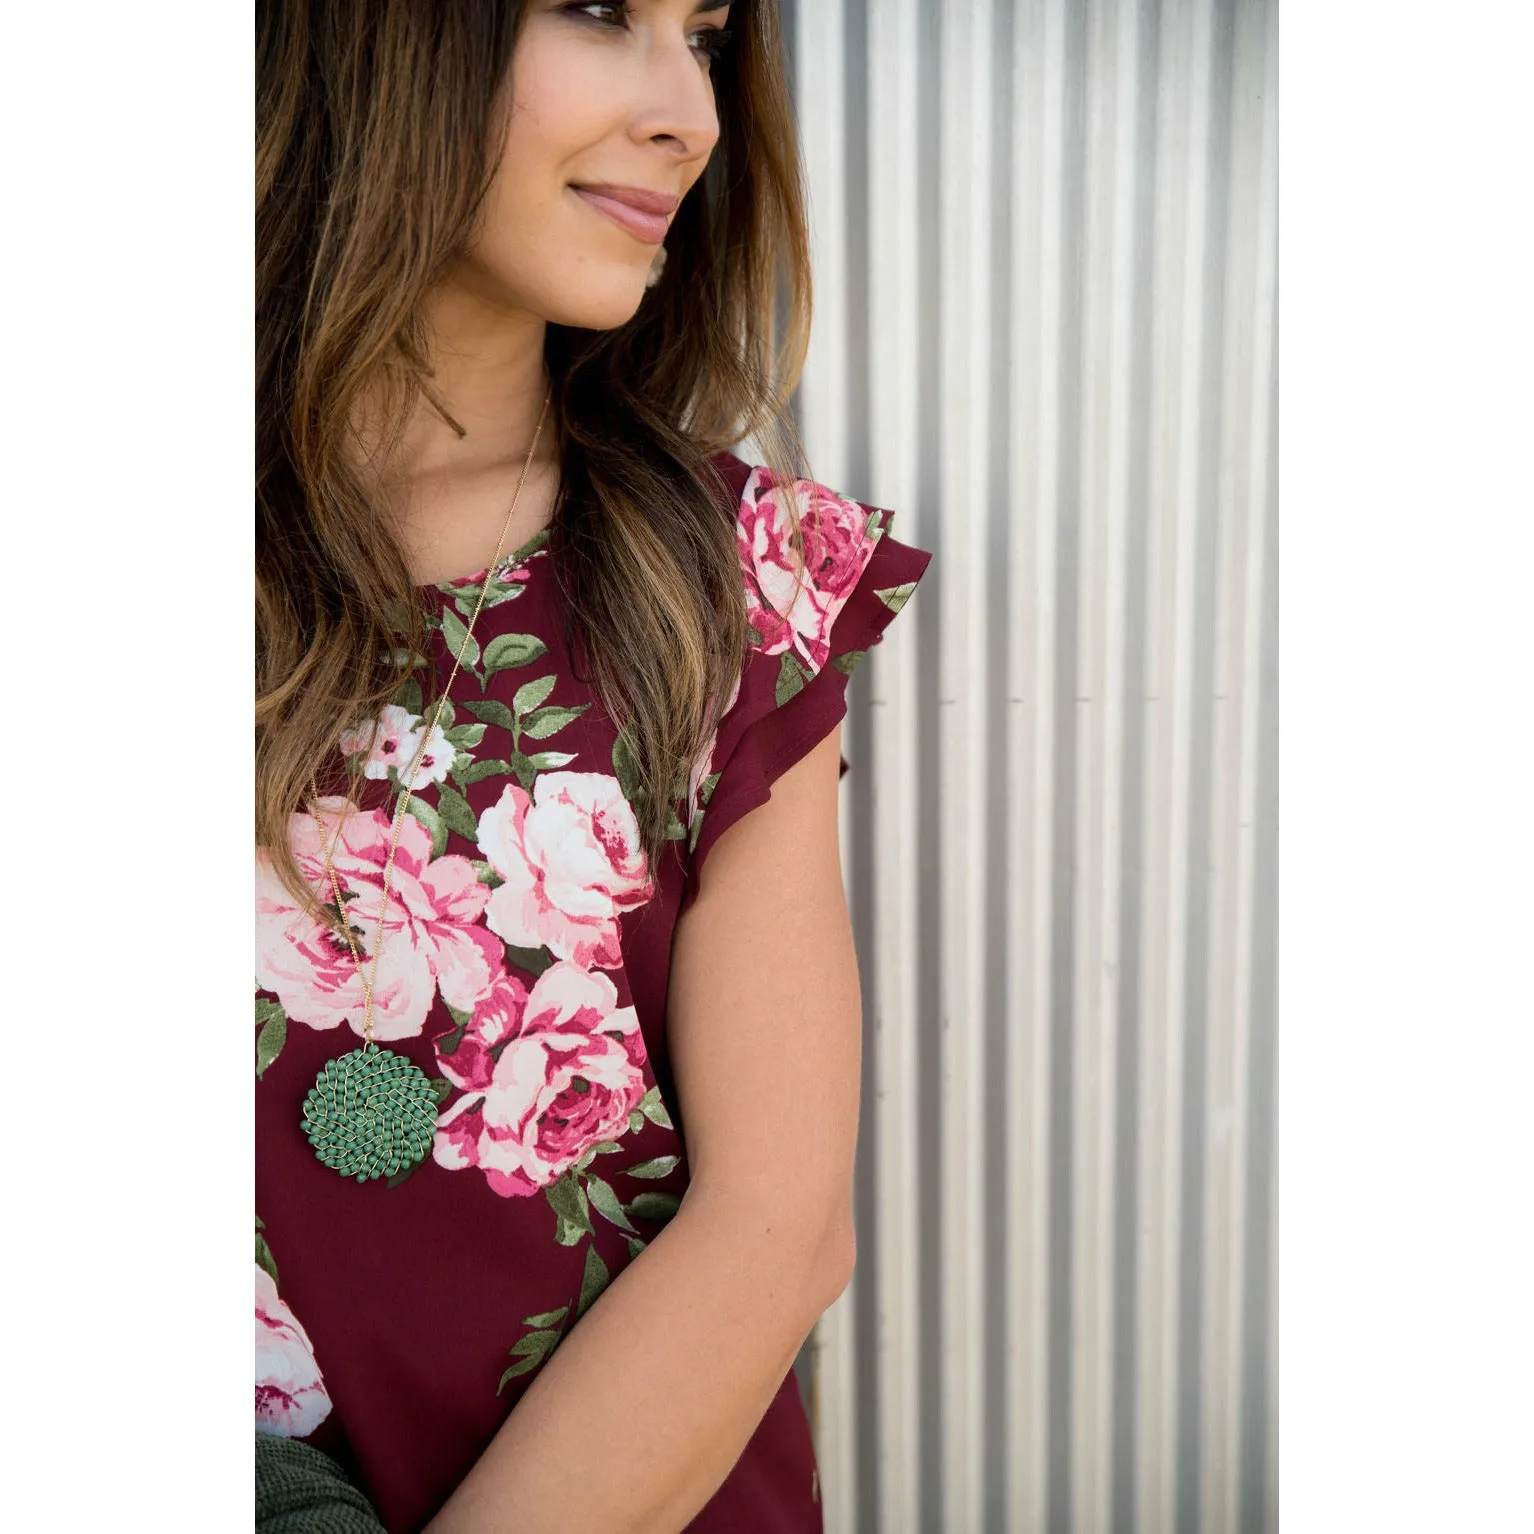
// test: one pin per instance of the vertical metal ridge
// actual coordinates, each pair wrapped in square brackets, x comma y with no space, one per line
[1038,76]
[1110,180]
[889,1497]
[1209,273]
[823,401]
[823,388]
[933,620]
[1260,1319]
[1003,508]
[963,366]
[1233,893]
[1181,190]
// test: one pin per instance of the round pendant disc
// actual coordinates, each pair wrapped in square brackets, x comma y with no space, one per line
[370,1113]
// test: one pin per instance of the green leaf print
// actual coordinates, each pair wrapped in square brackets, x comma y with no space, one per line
[547,1317]
[443,1089]
[487,875]
[605,1202]
[537,1344]
[532,961]
[705,793]
[636,1121]
[404,660]
[568,1234]
[433,823]
[654,1109]
[530,694]
[484,769]
[448,1043]
[529,1351]
[264,1258]
[461,644]
[544,722]
[791,677]
[507,651]
[675,830]
[525,769]
[522,1366]
[593,1281]
[408,696]
[636,1246]
[896,597]
[542,761]
[465,737]
[466,598]
[272,1023]
[497,594]
[873,528]
[654,1206]
[848,663]
[661,1166]
[454,811]
[493,712]
[754,636]
[568,1200]
[624,767]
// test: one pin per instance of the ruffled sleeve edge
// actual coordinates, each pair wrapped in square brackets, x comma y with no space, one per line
[764,733]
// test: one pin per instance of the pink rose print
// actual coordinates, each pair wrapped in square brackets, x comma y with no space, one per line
[291,1399]
[390,741]
[790,611]
[432,937]
[498,1017]
[436,759]
[393,740]
[543,1082]
[572,861]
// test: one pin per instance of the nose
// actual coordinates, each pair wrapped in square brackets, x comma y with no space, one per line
[674,99]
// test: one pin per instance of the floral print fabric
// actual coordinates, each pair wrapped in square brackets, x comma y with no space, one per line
[525,952]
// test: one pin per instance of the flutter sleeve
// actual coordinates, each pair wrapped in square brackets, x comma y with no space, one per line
[808,631]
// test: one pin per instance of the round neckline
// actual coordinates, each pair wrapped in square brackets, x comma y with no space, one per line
[534,547]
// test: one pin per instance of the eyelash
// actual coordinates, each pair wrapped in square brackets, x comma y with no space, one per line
[713,49]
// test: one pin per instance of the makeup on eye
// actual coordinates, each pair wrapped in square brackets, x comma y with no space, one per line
[714,40]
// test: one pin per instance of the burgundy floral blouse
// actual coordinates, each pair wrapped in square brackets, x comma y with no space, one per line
[524,969]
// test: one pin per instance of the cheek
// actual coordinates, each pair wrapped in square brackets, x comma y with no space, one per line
[536,243]
[569,102]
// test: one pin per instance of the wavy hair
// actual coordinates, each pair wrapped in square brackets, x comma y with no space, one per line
[377,129]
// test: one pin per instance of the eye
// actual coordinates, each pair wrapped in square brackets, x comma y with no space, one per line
[716,42]
[708,42]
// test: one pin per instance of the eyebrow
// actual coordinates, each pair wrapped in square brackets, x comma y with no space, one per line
[711,5]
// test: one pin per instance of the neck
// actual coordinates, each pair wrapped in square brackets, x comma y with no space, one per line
[452,472]
[488,374]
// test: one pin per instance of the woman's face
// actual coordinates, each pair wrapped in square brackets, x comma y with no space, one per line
[602,94]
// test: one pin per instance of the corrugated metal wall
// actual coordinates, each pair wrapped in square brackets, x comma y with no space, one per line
[1045,245]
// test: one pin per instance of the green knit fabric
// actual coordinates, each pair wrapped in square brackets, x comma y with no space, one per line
[299,1490]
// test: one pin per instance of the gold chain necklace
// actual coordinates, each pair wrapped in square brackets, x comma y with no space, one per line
[372,1112]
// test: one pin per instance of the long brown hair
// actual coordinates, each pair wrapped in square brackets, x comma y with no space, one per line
[377,125]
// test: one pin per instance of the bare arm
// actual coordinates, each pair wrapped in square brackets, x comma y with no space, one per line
[644,1408]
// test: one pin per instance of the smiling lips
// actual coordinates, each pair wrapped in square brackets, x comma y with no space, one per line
[644,214]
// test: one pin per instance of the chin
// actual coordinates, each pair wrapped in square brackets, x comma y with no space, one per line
[603,306]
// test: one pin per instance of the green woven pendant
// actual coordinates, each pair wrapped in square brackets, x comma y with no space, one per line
[370,1113]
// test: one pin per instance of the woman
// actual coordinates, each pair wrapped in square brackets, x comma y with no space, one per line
[557,1007]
